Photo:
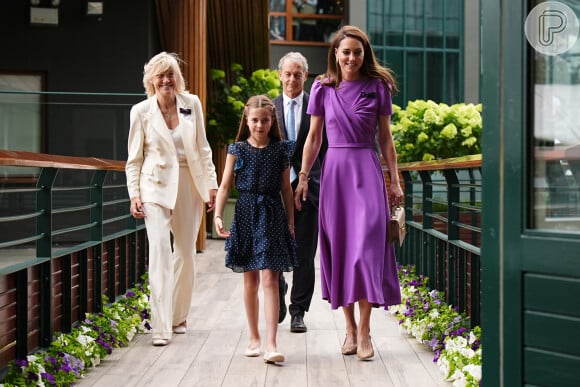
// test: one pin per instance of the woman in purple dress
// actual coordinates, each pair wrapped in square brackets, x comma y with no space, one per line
[357,260]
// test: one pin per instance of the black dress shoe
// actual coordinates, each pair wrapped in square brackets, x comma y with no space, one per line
[297,324]
[283,310]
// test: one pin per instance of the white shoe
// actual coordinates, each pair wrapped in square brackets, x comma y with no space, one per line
[160,342]
[273,357]
[253,352]
[181,328]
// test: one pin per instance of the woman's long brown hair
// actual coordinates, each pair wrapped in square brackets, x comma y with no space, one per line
[370,67]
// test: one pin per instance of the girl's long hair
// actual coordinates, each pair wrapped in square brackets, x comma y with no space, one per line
[259,102]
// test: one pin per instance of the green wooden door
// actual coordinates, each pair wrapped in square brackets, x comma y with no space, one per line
[531,196]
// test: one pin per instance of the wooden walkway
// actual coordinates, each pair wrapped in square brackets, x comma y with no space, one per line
[211,352]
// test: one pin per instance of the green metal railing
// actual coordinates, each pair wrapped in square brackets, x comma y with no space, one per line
[443,220]
[67,240]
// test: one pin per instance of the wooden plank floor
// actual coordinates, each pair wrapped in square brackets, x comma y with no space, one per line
[211,352]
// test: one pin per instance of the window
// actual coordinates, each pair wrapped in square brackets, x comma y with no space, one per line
[20,114]
[554,91]
[421,40]
[312,21]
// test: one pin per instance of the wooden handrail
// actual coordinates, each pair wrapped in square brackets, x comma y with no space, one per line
[43,160]
[471,161]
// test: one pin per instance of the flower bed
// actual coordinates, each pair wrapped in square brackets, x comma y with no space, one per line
[72,354]
[424,315]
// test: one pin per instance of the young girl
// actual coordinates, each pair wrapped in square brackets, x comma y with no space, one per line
[261,237]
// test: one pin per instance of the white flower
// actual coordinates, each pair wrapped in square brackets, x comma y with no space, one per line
[458,379]
[455,344]
[84,339]
[31,358]
[473,370]
[467,352]
[472,338]
[443,364]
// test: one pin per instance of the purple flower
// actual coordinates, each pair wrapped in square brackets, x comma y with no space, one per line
[130,294]
[104,345]
[433,343]
[437,354]
[32,376]
[65,367]
[21,362]
[48,377]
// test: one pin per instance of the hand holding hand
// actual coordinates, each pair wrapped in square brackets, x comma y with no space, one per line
[219,227]
[136,208]
[211,203]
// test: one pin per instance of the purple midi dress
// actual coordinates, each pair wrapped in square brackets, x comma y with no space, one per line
[357,261]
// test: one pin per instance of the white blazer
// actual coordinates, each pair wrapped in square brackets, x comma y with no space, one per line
[152,166]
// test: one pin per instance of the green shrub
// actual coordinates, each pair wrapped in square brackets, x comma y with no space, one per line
[228,101]
[426,130]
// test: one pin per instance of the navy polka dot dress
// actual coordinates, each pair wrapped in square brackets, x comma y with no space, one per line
[259,235]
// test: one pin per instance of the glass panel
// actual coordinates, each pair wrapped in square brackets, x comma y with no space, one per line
[374,22]
[556,137]
[452,23]
[20,114]
[452,80]
[277,28]
[452,41]
[277,5]
[314,30]
[426,32]
[324,7]
[414,22]
[392,16]
[329,28]
[310,20]
[415,72]
[435,80]
[434,26]
[394,60]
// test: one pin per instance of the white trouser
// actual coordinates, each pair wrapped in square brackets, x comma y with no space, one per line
[172,274]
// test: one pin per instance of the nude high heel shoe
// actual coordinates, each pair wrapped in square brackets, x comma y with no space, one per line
[348,349]
[366,354]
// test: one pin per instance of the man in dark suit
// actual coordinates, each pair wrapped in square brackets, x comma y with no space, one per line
[294,123]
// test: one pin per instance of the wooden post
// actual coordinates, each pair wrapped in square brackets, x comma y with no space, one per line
[183,25]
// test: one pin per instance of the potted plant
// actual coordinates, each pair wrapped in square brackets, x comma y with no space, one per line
[225,112]
[229,98]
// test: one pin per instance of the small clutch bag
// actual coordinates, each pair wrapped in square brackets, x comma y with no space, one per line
[397,229]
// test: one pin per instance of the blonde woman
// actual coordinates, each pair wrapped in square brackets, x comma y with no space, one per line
[170,175]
